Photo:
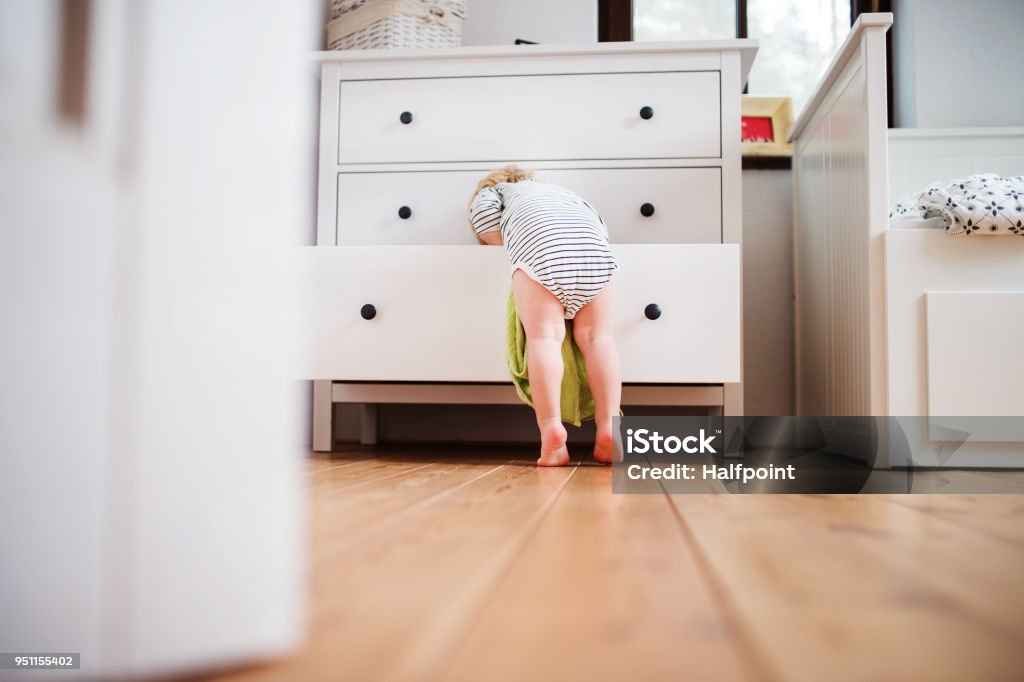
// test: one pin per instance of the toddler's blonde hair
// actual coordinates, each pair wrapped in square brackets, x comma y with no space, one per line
[511,173]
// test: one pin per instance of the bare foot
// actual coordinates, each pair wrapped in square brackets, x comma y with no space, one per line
[607,448]
[553,452]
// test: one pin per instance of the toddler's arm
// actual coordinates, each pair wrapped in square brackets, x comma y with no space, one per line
[485,216]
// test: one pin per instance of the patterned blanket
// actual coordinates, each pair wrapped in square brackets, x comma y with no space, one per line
[979,204]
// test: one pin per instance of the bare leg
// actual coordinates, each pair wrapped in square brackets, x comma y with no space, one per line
[543,320]
[593,331]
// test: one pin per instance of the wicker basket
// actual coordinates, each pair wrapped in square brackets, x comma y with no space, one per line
[339,7]
[364,24]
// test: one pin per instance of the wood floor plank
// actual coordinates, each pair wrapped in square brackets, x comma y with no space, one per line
[340,523]
[829,590]
[320,467]
[316,463]
[949,556]
[428,657]
[428,564]
[939,555]
[330,487]
[334,481]
[607,589]
[375,600]
[996,516]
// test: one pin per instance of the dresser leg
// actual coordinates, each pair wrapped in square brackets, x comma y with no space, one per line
[323,417]
[368,424]
[733,407]
[733,400]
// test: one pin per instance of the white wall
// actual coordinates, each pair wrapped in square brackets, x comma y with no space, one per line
[500,22]
[768,362]
[958,64]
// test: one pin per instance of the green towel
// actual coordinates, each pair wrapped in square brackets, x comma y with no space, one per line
[577,401]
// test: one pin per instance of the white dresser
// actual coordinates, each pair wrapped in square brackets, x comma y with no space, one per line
[406,307]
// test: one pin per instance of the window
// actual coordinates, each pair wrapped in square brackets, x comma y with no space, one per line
[684,19]
[798,37]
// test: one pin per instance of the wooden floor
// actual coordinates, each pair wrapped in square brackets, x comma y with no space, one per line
[475,565]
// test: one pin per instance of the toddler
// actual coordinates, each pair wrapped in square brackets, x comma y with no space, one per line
[561,269]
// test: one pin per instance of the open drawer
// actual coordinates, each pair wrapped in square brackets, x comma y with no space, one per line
[437,313]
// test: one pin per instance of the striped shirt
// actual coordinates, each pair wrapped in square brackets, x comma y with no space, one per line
[552,235]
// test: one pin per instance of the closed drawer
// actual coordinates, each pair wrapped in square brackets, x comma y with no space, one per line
[684,205]
[592,116]
[440,313]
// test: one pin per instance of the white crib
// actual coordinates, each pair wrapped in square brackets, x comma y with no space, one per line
[902,322]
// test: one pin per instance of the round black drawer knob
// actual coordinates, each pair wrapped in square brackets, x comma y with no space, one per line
[652,311]
[405,117]
[405,213]
[368,312]
[646,113]
[647,210]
